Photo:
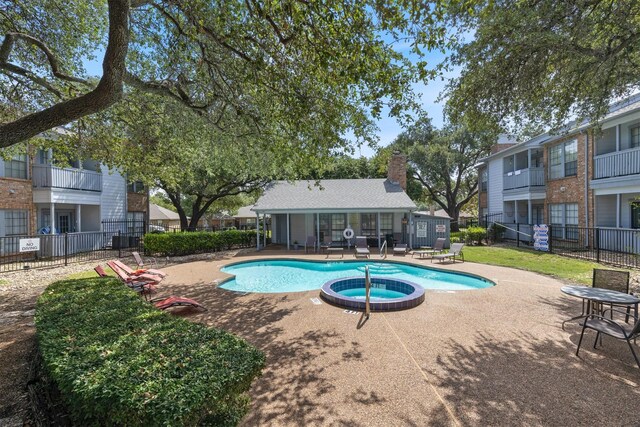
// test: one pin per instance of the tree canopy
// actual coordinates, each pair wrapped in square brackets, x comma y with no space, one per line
[443,162]
[542,61]
[325,65]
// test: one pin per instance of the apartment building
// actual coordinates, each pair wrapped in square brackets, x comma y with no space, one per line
[37,197]
[581,177]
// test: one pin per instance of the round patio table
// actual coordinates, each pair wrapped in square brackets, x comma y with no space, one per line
[595,296]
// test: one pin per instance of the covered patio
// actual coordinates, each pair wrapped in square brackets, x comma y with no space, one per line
[375,208]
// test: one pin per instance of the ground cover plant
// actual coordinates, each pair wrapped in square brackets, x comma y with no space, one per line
[119,361]
[568,269]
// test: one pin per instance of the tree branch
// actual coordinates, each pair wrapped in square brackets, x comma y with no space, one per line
[107,92]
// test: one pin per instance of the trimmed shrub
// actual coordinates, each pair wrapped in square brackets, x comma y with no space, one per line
[474,235]
[457,236]
[187,243]
[117,360]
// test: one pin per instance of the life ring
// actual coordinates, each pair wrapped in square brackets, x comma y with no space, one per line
[348,233]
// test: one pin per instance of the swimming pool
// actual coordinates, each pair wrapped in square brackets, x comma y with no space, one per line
[272,276]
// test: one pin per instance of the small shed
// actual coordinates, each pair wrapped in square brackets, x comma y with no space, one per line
[427,228]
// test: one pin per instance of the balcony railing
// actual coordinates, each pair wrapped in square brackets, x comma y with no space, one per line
[47,176]
[532,177]
[618,163]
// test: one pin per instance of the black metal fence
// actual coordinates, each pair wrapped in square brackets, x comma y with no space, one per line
[117,239]
[616,246]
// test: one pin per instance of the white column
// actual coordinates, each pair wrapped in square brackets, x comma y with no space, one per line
[410,224]
[78,218]
[618,210]
[52,210]
[515,210]
[618,138]
[318,231]
[288,233]
[378,227]
[264,230]
[258,231]
[529,212]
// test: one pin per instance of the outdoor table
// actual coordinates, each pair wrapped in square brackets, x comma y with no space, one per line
[596,296]
[335,250]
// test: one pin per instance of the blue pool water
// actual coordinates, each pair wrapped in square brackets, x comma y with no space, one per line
[376,294]
[270,276]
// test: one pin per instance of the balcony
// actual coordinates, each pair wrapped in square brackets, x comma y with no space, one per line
[618,163]
[47,176]
[523,178]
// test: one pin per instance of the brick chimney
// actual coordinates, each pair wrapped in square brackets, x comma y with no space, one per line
[397,170]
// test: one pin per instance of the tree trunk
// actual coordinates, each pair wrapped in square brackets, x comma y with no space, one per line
[108,91]
[454,213]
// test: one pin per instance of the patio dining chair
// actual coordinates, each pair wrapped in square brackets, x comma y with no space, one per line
[614,280]
[603,325]
[310,244]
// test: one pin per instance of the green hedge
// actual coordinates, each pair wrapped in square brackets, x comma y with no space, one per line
[119,361]
[474,235]
[186,243]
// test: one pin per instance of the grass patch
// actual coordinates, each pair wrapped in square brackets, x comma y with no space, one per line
[88,274]
[568,269]
[3,282]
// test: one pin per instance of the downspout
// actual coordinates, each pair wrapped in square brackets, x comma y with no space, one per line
[586,180]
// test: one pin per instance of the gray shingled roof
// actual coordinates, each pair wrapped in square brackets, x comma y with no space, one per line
[334,194]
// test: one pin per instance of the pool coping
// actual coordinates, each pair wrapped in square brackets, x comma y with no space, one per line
[325,261]
[411,300]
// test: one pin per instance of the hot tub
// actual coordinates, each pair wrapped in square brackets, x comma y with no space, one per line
[386,294]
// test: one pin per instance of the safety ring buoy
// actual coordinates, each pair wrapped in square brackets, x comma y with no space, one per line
[348,233]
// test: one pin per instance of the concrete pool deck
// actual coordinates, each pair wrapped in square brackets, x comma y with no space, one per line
[494,356]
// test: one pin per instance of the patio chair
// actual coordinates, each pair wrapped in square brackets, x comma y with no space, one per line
[138,285]
[603,325]
[325,244]
[174,301]
[454,251]
[140,271]
[100,270]
[614,280]
[361,247]
[139,274]
[400,249]
[130,278]
[438,247]
[141,264]
[310,244]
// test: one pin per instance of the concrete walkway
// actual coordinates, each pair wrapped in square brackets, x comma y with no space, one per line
[494,356]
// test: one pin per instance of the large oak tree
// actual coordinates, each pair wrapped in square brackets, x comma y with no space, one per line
[328,64]
[542,61]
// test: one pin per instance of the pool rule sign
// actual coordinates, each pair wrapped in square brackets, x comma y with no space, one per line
[541,237]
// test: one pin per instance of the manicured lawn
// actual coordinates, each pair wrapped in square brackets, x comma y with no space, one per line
[569,269]
[88,274]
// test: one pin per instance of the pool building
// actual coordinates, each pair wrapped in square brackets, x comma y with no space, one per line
[331,210]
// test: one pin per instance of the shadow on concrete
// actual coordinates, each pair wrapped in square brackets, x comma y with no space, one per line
[536,381]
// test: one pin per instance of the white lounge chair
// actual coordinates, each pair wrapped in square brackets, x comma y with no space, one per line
[438,247]
[454,251]
[362,249]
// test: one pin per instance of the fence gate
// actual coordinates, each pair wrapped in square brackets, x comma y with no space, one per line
[428,229]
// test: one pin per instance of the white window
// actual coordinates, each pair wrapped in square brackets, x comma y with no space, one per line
[16,223]
[564,220]
[16,167]
[563,160]
[635,136]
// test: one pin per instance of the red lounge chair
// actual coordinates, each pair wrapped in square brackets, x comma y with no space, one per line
[140,263]
[147,274]
[174,301]
[98,269]
[138,284]
[124,274]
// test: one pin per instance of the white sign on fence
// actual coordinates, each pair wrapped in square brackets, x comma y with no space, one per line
[541,237]
[441,228]
[421,229]
[29,245]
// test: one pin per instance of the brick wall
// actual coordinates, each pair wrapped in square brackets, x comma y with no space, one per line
[18,194]
[495,148]
[569,189]
[397,170]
